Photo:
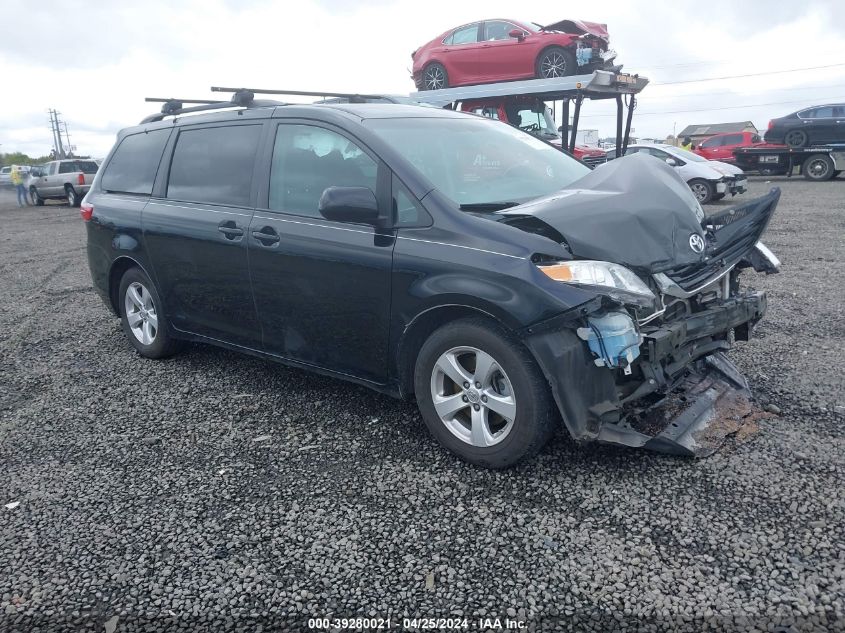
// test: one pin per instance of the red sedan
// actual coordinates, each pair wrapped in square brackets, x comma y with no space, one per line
[721,146]
[506,50]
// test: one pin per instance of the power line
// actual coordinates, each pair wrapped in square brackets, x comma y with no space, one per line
[771,72]
[752,105]
[684,64]
[729,92]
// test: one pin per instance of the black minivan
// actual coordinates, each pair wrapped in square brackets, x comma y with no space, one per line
[433,255]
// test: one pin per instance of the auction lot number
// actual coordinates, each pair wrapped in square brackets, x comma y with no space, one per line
[413,624]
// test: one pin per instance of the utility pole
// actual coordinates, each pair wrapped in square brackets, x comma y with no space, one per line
[67,136]
[58,147]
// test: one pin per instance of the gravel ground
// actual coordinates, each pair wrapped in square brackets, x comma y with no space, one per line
[218,491]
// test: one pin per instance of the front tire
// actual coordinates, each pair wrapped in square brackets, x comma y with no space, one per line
[73,198]
[796,138]
[702,190]
[482,395]
[435,77]
[142,316]
[36,198]
[555,62]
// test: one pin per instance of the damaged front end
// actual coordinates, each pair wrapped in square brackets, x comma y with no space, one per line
[592,48]
[653,374]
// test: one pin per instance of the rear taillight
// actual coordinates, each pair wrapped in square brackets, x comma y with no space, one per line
[80,179]
[771,124]
[86,210]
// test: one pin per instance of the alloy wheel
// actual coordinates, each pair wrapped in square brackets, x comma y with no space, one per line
[795,138]
[553,64]
[435,78]
[473,396]
[700,191]
[141,313]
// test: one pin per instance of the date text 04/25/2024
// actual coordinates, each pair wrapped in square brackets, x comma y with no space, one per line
[415,624]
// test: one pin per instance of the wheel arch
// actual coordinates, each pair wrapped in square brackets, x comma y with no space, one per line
[551,45]
[423,325]
[118,268]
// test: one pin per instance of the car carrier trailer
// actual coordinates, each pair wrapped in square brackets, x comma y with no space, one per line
[601,84]
[819,163]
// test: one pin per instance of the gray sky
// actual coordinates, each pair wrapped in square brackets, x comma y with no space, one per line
[95,62]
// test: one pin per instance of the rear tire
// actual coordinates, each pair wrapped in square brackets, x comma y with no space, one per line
[36,198]
[143,318]
[500,410]
[555,62]
[73,198]
[795,138]
[435,77]
[702,190]
[818,167]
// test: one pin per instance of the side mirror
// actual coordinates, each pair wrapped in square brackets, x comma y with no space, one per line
[560,129]
[517,34]
[357,205]
[671,162]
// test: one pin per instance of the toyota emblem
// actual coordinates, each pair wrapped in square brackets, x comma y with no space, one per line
[696,243]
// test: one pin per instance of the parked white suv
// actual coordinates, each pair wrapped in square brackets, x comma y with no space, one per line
[6,174]
[68,179]
[709,179]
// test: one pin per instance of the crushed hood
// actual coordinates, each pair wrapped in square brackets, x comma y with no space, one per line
[579,27]
[635,211]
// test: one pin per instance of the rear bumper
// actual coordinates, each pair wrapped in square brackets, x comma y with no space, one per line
[677,358]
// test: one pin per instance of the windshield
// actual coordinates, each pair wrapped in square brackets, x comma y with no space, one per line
[536,123]
[475,161]
[688,155]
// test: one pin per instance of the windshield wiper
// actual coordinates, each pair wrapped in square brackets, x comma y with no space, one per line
[488,206]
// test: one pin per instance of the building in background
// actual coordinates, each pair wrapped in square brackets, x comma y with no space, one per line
[700,132]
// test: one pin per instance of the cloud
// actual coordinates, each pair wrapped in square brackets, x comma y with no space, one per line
[95,64]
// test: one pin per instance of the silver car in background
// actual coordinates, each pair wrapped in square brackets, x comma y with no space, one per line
[68,179]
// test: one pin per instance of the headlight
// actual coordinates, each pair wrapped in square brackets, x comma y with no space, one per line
[611,279]
[699,212]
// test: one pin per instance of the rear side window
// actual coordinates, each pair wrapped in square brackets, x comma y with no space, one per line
[133,166]
[466,35]
[732,139]
[214,165]
[85,166]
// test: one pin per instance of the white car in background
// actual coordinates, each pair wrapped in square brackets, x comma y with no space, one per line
[709,179]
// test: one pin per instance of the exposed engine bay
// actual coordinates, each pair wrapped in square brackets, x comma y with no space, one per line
[656,345]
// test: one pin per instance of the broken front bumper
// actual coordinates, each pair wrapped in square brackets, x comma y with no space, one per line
[680,384]
[736,184]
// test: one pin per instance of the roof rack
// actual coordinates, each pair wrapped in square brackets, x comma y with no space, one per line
[353,97]
[173,107]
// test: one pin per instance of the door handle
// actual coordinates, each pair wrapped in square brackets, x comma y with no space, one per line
[267,236]
[230,230]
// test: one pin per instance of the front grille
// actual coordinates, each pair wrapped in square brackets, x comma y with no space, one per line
[731,234]
[593,161]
